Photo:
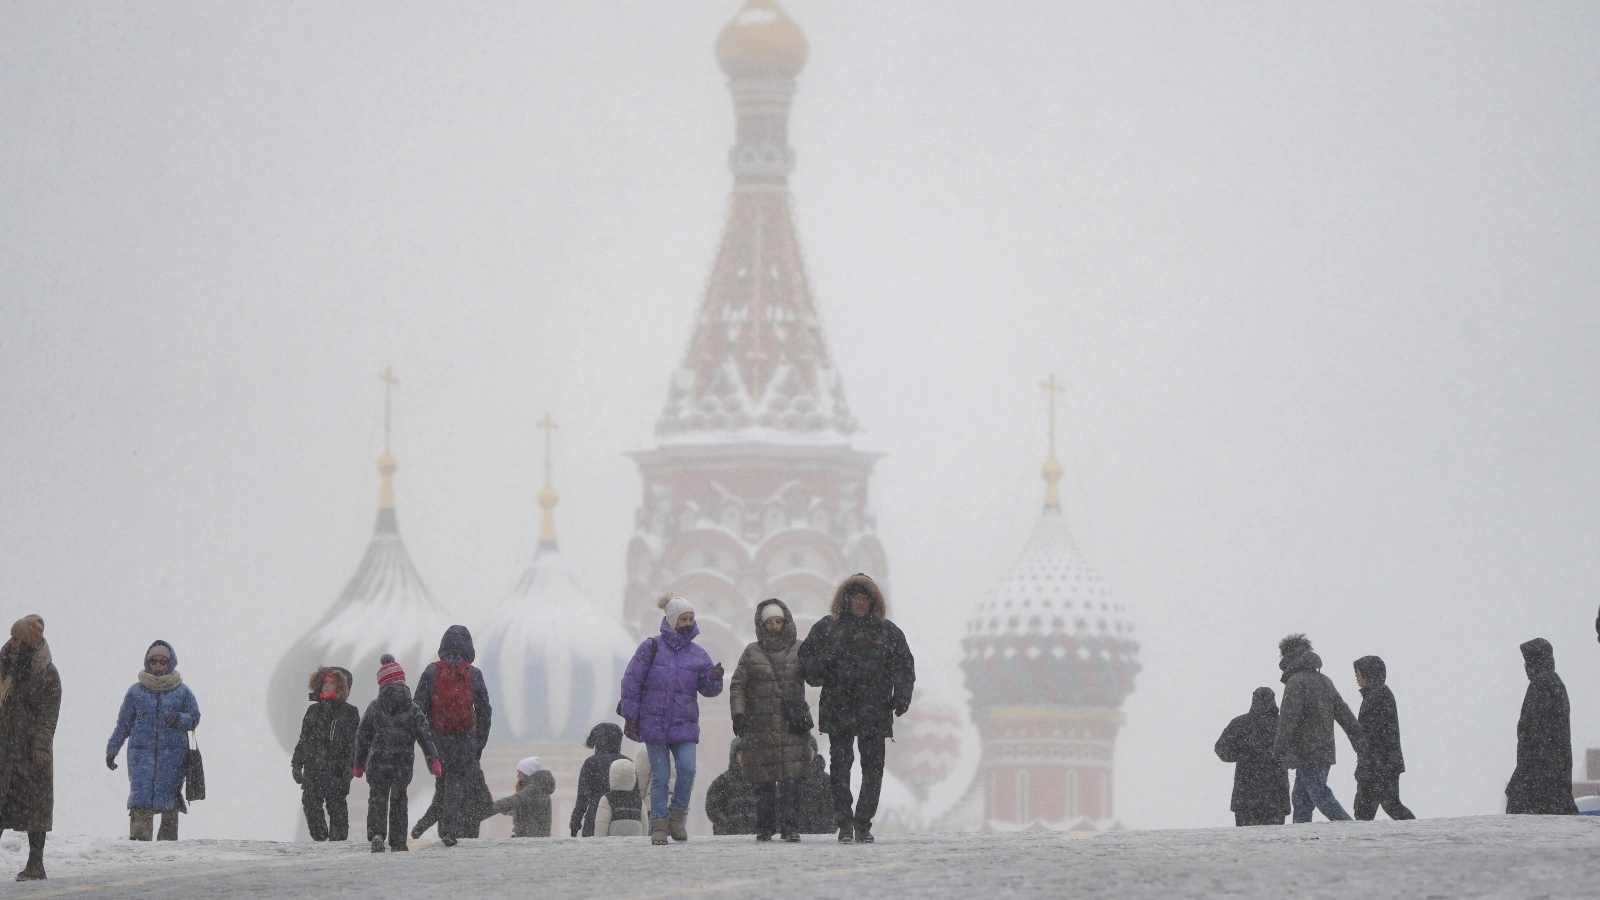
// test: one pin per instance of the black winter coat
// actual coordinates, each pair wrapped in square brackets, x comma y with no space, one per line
[1260,783]
[863,665]
[1380,725]
[326,751]
[816,800]
[594,779]
[1542,782]
[731,800]
[389,734]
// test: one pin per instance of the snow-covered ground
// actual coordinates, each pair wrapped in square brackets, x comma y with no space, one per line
[1490,856]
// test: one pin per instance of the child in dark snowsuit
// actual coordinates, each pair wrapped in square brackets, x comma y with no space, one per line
[385,754]
[325,756]
[1379,765]
[594,779]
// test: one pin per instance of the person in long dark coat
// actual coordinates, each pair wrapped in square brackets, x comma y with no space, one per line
[453,695]
[864,666]
[1260,783]
[594,779]
[324,758]
[1542,782]
[30,702]
[1380,763]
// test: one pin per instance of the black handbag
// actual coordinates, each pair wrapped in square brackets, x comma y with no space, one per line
[194,773]
[797,716]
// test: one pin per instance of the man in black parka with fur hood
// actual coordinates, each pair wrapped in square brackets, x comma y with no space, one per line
[325,757]
[861,661]
[1542,782]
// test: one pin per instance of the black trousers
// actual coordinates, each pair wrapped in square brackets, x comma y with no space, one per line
[386,811]
[841,756]
[778,807]
[1383,791]
[1242,819]
[336,825]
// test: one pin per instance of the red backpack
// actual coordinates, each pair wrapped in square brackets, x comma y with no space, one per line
[451,707]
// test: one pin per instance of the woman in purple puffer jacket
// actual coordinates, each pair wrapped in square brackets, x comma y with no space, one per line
[660,708]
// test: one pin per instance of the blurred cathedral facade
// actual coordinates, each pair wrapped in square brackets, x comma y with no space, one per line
[755,487]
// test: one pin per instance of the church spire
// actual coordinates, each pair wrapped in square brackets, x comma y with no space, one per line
[386,462]
[547,494]
[1052,468]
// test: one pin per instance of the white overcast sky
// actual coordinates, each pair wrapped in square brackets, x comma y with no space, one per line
[1323,278]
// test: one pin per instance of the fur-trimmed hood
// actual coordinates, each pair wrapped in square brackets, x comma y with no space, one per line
[314,683]
[858,581]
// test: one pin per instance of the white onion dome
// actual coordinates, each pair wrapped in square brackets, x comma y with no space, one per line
[385,608]
[1051,632]
[553,659]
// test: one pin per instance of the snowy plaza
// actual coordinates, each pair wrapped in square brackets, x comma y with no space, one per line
[1488,856]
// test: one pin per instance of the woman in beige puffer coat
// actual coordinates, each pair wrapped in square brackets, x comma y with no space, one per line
[776,759]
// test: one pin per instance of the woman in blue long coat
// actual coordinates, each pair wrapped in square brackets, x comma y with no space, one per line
[157,714]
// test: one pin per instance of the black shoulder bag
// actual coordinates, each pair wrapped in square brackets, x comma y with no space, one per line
[194,772]
[796,711]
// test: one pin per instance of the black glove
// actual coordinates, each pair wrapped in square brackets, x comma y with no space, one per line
[171,720]
[111,763]
[901,709]
[739,724]
[630,728]
[299,777]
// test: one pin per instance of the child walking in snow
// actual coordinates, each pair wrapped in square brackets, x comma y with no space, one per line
[385,753]
[529,807]
[324,757]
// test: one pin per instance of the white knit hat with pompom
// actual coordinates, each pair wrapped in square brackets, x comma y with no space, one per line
[673,606]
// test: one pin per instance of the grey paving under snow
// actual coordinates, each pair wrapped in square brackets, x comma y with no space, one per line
[1492,856]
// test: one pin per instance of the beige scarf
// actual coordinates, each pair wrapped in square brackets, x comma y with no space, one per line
[159,683]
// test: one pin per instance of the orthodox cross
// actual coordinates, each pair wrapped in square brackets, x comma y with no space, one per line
[549,426]
[389,381]
[1052,387]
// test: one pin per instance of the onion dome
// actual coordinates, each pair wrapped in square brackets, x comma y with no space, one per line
[553,659]
[385,608]
[761,42]
[1051,632]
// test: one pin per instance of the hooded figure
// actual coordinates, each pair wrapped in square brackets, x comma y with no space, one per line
[1380,763]
[816,796]
[731,800]
[1542,782]
[620,813]
[157,714]
[30,701]
[529,807]
[454,697]
[594,779]
[386,742]
[325,757]
[1260,783]
[776,758]
[861,661]
[1311,706]
[662,711]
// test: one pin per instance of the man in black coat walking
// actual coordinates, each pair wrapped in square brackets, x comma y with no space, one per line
[1311,707]
[1542,782]
[324,758]
[1260,783]
[1380,763]
[861,661]
[594,779]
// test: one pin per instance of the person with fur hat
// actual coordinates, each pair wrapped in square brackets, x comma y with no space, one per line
[1260,783]
[30,703]
[864,666]
[767,687]
[453,695]
[529,807]
[1542,781]
[157,714]
[662,711]
[324,758]
[386,741]
[1380,763]
[605,739]
[1304,742]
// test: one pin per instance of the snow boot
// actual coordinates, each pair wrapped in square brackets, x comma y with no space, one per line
[764,836]
[791,836]
[675,822]
[658,831]
[377,845]
[864,833]
[141,825]
[847,831]
[34,870]
[448,841]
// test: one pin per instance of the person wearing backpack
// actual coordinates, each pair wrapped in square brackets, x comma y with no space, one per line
[454,697]
[620,810]
[661,710]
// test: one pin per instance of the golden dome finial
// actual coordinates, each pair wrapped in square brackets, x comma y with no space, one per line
[761,42]
[547,494]
[1052,469]
[386,462]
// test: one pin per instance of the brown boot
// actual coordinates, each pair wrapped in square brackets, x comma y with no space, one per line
[658,831]
[141,824]
[675,822]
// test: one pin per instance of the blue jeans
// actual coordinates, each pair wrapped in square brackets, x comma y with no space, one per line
[1311,791]
[662,758]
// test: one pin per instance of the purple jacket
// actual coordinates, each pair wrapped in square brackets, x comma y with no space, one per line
[660,694]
